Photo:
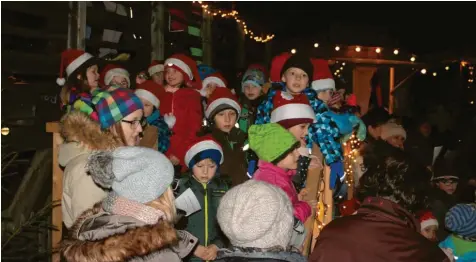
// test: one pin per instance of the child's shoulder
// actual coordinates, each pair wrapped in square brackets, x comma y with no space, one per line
[219,184]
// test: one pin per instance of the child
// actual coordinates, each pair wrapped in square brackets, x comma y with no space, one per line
[222,113]
[180,104]
[156,72]
[148,92]
[211,82]
[394,134]
[115,75]
[278,152]
[461,221]
[203,159]
[428,224]
[252,91]
[135,220]
[82,78]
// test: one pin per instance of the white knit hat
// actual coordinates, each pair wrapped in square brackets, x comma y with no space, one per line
[256,214]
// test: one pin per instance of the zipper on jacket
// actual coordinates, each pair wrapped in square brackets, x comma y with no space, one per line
[206,213]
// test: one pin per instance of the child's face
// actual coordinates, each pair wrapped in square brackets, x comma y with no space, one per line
[148,107]
[251,91]
[158,78]
[296,80]
[290,161]
[121,81]
[92,76]
[325,95]
[225,120]
[447,184]
[396,141]
[430,232]
[173,77]
[300,132]
[204,170]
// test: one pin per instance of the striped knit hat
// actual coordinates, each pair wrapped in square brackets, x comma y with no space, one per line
[113,105]
[461,220]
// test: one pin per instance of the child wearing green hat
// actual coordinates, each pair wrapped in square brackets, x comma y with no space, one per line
[278,152]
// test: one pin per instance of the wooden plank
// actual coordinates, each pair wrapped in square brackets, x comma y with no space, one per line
[327,204]
[52,127]
[57,215]
[392,88]
[375,61]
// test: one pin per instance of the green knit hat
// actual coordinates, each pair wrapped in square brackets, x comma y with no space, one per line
[271,142]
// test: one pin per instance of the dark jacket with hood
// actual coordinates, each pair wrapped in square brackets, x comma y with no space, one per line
[380,231]
[236,254]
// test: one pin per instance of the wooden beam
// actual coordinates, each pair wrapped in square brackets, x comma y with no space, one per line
[391,89]
[372,61]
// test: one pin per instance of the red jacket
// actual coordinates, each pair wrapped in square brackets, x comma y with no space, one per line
[380,231]
[185,105]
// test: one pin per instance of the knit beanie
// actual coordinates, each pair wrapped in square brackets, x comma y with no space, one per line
[202,148]
[254,77]
[392,129]
[299,61]
[256,214]
[461,220]
[137,173]
[113,105]
[271,142]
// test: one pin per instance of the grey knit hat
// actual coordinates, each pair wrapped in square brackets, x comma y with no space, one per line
[256,214]
[136,173]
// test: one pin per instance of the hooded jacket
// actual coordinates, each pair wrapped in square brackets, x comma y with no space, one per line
[81,136]
[101,236]
[281,178]
[380,231]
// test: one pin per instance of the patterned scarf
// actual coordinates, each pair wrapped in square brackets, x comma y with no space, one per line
[155,119]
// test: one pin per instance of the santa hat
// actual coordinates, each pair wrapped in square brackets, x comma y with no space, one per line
[427,219]
[291,110]
[149,90]
[277,65]
[216,78]
[188,67]
[202,148]
[71,61]
[110,71]
[322,78]
[221,99]
[155,67]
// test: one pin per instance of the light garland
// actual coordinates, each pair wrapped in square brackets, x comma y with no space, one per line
[351,158]
[234,15]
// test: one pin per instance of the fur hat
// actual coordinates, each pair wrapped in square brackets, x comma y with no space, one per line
[136,173]
[291,110]
[256,214]
[110,71]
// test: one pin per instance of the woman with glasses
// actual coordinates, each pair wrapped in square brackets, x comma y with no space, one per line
[114,119]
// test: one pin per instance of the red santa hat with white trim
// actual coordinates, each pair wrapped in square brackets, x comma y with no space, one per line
[427,219]
[221,99]
[188,67]
[112,70]
[149,90]
[322,77]
[216,78]
[291,110]
[202,148]
[72,60]
[155,67]
[277,65]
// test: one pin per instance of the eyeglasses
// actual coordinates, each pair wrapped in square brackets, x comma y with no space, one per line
[447,181]
[135,123]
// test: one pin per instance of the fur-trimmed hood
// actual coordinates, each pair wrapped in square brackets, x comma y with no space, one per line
[100,236]
[82,134]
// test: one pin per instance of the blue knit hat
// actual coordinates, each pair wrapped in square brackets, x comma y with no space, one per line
[254,77]
[461,220]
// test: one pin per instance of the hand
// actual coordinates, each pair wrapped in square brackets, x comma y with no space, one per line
[212,252]
[175,161]
[302,194]
[201,252]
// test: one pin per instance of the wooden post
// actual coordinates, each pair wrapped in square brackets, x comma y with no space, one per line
[207,38]
[327,204]
[157,30]
[390,93]
[57,191]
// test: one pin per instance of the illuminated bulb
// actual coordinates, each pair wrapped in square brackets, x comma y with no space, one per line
[447,68]
[413,59]
[357,49]
[5,131]
[337,48]
[343,64]
[341,68]
[395,52]
[293,51]
[337,71]
[378,50]
[316,45]
[434,74]
[472,102]
[423,71]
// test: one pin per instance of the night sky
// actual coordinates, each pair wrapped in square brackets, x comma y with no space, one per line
[421,27]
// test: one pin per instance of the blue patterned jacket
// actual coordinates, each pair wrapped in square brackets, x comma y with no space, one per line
[164,132]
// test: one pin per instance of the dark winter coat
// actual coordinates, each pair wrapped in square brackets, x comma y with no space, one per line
[440,202]
[203,224]
[380,231]
[256,255]
[233,169]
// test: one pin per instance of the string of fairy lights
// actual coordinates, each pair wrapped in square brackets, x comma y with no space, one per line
[351,158]
[213,11]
